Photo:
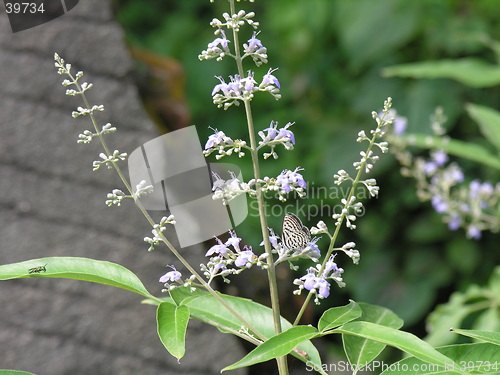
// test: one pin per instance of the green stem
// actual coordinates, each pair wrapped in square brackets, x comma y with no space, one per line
[271,271]
[333,238]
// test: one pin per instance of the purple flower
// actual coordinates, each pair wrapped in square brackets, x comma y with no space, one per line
[439,204]
[399,125]
[297,178]
[440,157]
[474,188]
[323,288]
[220,249]
[171,276]
[269,79]
[473,232]
[487,188]
[287,178]
[283,181]
[272,132]
[254,44]
[455,175]
[455,221]
[331,266]
[313,251]
[285,134]
[215,139]
[273,239]
[233,241]
[430,168]
[222,41]
[309,279]
[244,258]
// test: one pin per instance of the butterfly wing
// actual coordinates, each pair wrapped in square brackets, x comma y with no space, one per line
[295,235]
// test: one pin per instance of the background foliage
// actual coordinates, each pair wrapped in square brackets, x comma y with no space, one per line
[330,55]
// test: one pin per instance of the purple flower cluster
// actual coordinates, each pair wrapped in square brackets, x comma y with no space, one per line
[272,136]
[223,255]
[316,281]
[238,88]
[224,145]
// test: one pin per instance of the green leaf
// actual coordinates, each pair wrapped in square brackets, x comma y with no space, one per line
[488,120]
[182,296]
[207,309]
[468,71]
[96,271]
[461,149]
[14,372]
[361,351]
[337,316]
[404,341]
[481,358]
[277,346]
[491,337]
[172,322]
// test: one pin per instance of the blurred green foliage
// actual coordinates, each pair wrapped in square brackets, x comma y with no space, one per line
[330,55]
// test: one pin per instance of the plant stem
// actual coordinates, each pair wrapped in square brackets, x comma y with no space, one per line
[271,272]
[338,224]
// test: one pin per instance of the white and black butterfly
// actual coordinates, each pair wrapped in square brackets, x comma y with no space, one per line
[295,235]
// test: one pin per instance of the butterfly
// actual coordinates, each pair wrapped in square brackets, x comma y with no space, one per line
[295,235]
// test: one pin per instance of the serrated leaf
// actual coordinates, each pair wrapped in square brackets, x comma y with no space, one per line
[84,269]
[488,120]
[455,147]
[404,341]
[337,316]
[491,337]
[361,351]
[277,346]
[172,322]
[468,71]
[483,358]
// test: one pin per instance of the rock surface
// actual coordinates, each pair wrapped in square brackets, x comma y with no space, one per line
[52,204]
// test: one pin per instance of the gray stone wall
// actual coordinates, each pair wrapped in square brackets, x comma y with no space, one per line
[52,204]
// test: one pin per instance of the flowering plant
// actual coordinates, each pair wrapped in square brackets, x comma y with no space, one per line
[365,329]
